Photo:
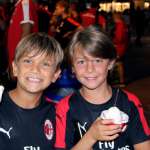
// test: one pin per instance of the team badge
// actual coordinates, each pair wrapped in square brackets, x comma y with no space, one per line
[48,129]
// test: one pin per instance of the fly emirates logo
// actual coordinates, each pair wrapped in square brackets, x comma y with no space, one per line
[110,145]
[31,148]
[102,145]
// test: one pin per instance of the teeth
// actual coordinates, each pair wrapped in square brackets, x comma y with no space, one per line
[90,78]
[33,79]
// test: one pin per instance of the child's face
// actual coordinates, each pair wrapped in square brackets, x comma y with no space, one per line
[91,71]
[59,10]
[35,73]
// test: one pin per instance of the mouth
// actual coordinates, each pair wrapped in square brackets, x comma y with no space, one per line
[90,78]
[34,79]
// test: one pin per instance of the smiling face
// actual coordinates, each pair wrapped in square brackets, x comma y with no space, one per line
[35,72]
[91,71]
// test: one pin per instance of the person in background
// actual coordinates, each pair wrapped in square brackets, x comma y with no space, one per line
[102,20]
[27,118]
[78,122]
[44,15]
[24,21]
[88,15]
[64,24]
[121,40]
[120,37]
[75,11]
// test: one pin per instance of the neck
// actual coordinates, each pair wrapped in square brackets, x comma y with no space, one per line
[24,99]
[64,15]
[98,96]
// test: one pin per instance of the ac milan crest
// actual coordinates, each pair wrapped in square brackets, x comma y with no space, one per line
[48,129]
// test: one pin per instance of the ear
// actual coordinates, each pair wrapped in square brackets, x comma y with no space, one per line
[56,75]
[111,64]
[14,69]
[72,69]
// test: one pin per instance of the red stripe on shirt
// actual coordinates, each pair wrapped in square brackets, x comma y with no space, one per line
[50,100]
[72,21]
[137,103]
[61,112]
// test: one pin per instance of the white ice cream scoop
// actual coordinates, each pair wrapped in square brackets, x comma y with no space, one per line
[113,113]
[1,92]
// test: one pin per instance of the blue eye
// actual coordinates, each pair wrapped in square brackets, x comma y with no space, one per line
[28,61]
[46,64]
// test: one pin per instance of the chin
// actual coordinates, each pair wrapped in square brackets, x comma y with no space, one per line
[34,91]
[91,87]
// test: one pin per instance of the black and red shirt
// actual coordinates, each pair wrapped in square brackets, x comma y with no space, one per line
[75,115]
[26,129]
[65,29]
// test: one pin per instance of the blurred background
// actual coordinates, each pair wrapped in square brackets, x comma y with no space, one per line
[127,22]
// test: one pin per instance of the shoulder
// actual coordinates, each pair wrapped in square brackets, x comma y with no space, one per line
[132,98]
[68,103]
[127,100]
[63,105]
[49,103]
[129,96]
[138,108]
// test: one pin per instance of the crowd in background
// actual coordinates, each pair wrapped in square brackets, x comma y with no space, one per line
[61,19]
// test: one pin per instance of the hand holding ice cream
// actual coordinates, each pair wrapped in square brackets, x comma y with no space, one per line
[116,115]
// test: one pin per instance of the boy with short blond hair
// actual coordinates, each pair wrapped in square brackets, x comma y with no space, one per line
[27,119]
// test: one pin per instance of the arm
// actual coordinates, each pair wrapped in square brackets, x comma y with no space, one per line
[85,143]
[29,10]
[100,130]
[142,146]
[26,29]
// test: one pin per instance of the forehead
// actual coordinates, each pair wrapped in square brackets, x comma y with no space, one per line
[78,53]
[59,6]
[38,55]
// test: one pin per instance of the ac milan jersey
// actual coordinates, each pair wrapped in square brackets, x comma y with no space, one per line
[26,129]
[75,115]
[25,12]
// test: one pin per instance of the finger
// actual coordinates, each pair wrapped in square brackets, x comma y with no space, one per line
[107,121]
[104,121]
[111,132]
[114,127]
[110,138]
[108,127]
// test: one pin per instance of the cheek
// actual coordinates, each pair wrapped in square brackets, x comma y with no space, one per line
[47,80]
[47,75]
[78,72]
[19,72]
[104,68]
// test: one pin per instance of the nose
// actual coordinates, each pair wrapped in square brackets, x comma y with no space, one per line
[35,67]
[90,66]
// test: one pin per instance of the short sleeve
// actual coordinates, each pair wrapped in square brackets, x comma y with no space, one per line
[136,130]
